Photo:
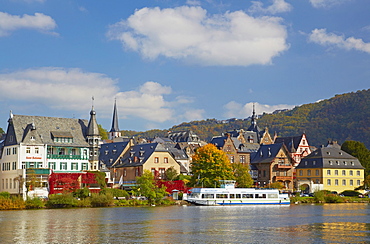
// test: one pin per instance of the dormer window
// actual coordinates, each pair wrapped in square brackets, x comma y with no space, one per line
[132,154]
[62,137]
[32,138]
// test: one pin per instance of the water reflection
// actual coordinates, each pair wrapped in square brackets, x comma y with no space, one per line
[337,223]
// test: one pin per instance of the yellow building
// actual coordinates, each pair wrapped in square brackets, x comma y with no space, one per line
[329,168]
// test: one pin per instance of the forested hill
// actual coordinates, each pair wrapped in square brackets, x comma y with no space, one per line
[343,117]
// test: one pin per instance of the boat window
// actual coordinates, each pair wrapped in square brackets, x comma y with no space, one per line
[272,195]
[247,195]
[208,196]
[260,195]
[195,195]
[232,195]
[238,196]
[221,195]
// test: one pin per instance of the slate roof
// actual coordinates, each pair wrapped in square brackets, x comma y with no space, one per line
[40,130]
[330,157]
[110,152]
[183,136]
[291,142]
[266,153]
[139,154]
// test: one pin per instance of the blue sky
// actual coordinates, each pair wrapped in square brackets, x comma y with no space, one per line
[167,62]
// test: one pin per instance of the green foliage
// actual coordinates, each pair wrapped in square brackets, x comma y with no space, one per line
[84,202]
[102,200]
[343,117]
[103,132]
[358,150]
[209,166]
[4,194]
[171,173]
[2,131]
[350,193]
[242,176]
[319,196]
[82,193]
[65,200]
[275,185]
[115,192]
[33,203]
[100,178]
[146,187]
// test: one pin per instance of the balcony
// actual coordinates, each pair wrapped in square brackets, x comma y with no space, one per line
[62,156]
[283,166]
[283,178]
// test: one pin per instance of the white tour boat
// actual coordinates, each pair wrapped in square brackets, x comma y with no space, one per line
[229,195]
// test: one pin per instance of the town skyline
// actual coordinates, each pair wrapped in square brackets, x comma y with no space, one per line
[169,62]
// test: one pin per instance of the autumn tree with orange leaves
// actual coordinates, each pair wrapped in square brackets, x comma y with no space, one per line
[209,166]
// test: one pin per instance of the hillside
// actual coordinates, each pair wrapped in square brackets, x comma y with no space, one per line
[343,117]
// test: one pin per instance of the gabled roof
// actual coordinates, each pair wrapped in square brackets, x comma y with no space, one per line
[183,136]
[110,152]
[219,141]
[139,154]
[329,157]
[291,142]
[266,153]
[39,130]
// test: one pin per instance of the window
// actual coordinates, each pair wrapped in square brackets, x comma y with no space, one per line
[166,160]
[52,165]
[317,181]
[329,182]
[330,162]
[63,166]
[74,166]
[343,172]
[242,159]
[162,173]
[351,172]
[351,182]
[328,172]
[84,166]
[232,159]
[358,182]
[156,160]
[317,172]
[14,150]
[358,173]
[343,182]
[28,150]
[37,150]
[14,167]
[314,162]
[336,172]
[309,172]
[336,182]
[8,151]
[300,172]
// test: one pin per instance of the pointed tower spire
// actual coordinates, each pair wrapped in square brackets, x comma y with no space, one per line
[114,131]
[92,128]
[93,138]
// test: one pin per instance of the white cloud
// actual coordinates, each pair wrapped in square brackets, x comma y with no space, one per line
[72,89]
[238,110]
[188,33]
[326,3]
[193,2]
[39,22]
[320,36]
[277,6]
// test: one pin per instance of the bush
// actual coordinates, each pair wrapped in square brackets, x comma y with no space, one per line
[12,203]
[65,200]
[4,194]
[32,203]
[333,198]
[319,196]
[82,193]
[115,192]
[84,202]
[349,193]
[102,200]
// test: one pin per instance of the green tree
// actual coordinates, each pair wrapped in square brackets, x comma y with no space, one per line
[242,176]
[103,132]
[2,131]
[171,173]
[358,150]
[147,187]
[209,166]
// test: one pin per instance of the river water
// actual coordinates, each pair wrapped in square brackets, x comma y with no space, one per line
[328,223]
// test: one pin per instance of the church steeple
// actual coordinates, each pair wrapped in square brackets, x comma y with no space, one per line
[92,128]
[93,138]
[254,127]
[114,131]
